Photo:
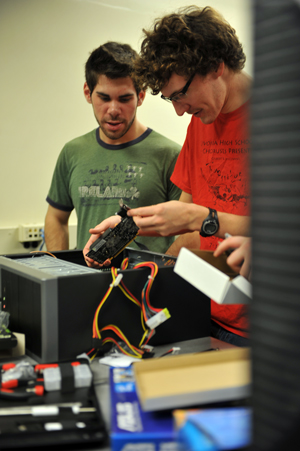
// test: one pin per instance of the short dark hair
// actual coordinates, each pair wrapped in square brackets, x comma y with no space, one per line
[194,40]
[113,59]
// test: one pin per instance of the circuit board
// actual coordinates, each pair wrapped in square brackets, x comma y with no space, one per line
[113,241]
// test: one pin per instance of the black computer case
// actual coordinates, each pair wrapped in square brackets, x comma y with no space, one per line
[54,306]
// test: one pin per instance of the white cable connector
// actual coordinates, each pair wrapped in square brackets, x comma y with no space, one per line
[147,348]
[117,281]
[159,318]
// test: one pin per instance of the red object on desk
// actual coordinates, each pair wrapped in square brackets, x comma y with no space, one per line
[8,366]
[43,366]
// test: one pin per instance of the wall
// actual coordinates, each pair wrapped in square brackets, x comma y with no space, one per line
[43,46]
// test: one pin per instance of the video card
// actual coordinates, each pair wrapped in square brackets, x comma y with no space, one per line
[113,241]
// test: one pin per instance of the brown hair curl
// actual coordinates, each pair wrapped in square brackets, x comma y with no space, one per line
[194,40]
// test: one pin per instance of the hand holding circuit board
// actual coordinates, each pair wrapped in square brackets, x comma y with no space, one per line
[114,240]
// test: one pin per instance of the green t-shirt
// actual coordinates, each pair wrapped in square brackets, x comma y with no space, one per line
[92,176]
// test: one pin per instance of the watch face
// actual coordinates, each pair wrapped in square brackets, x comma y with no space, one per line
[210,227]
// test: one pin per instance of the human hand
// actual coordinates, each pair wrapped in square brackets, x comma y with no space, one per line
[97,231]
[164,219]
[240,258]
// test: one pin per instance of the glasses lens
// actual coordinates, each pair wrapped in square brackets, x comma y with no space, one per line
[180,94]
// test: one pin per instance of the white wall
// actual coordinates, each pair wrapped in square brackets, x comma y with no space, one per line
[43,46]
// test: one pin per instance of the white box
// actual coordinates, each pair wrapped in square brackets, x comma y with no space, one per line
[220,286]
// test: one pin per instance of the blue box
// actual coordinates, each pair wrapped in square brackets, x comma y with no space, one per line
[214,429]
[130,425]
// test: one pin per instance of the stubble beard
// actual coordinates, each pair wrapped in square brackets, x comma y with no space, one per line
[118,133]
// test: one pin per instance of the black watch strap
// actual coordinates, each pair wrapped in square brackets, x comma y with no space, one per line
[210,225]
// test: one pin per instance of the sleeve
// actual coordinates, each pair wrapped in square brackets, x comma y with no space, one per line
[181,173]
[173,190]
[59,195]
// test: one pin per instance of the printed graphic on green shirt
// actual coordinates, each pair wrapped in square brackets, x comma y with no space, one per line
[113,182]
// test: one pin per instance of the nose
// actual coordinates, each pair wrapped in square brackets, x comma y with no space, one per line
[180,108]
[113,108]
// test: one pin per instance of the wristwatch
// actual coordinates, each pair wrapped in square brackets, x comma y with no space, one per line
[210,225]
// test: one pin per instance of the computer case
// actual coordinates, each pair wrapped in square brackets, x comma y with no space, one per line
[53,301]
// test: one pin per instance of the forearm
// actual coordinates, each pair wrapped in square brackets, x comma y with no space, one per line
[228,223]
[233,224]
[175,218]
[188,240]
[56,235]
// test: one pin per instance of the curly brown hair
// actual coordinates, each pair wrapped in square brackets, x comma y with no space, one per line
[194,40]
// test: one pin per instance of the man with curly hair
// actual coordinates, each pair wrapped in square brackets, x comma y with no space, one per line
[196,61]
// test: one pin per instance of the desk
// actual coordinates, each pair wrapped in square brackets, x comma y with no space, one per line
[101,372]
[101,377]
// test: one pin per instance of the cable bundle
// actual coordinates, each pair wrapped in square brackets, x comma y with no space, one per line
[150,315]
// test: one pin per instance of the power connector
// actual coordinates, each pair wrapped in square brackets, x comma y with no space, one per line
[30,232]
[158,318]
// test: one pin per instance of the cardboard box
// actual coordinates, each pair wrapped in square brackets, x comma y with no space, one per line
[213,277]
[187,380]
[131,428]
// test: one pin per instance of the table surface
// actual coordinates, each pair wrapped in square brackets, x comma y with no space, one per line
[101,375]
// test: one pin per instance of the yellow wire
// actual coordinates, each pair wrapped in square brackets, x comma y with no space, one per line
[92,358]
[99,308]
[131,299]
[143,337]
[102,302]
[122,335]
[137,356]
[146,331]
[128,296]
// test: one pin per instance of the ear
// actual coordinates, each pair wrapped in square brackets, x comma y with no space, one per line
[220,70]
[87,93]
[141,98]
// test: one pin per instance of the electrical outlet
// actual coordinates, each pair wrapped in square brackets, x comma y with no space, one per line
[31,232]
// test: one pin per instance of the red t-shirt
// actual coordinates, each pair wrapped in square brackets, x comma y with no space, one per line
[213,166]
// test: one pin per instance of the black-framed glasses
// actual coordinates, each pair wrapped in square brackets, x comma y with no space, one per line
[180,94]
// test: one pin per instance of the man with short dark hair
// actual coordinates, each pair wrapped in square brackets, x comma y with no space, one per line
[121,159]
[196,61]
